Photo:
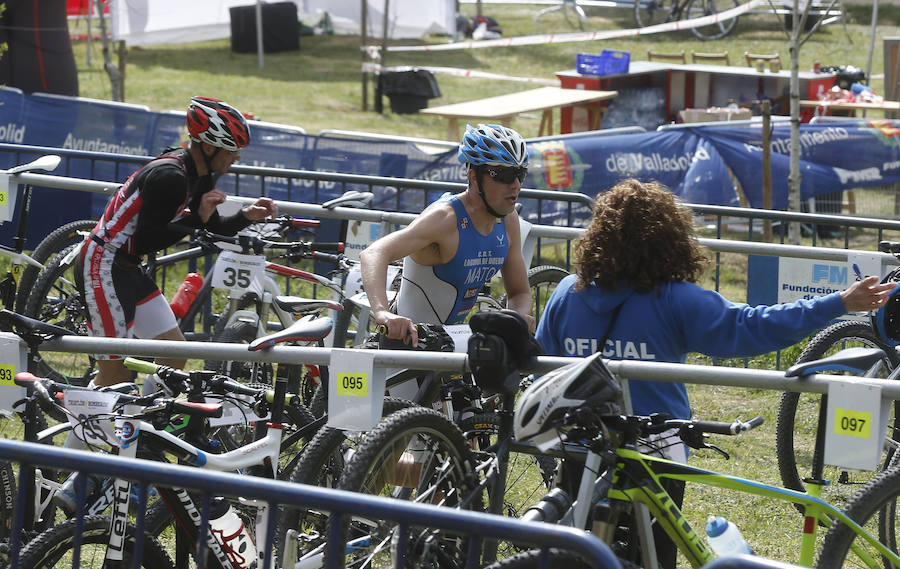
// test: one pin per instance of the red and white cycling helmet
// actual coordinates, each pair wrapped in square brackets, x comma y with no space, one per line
[217,123]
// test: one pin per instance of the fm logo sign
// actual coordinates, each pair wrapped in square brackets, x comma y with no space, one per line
[832,274]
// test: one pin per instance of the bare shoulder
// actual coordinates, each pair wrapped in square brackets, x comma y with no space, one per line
[437,218]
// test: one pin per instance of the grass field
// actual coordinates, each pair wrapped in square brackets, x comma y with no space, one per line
[318,88]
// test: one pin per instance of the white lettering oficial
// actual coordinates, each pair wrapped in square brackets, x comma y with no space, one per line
[613,349]
[98,145]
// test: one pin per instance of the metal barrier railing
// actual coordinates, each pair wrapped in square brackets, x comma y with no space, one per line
[440,361]
[477,526]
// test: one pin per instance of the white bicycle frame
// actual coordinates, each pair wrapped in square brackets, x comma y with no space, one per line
[252,454]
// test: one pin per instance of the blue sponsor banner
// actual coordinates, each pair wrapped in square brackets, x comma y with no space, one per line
[696,163]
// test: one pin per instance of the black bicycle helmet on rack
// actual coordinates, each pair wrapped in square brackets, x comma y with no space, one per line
[585,383]
[886,320]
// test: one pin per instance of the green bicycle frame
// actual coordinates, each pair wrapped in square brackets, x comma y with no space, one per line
[637,479]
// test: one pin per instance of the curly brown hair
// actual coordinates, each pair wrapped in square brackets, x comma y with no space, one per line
[639,236]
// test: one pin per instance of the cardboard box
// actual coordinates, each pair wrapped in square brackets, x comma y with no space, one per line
[713,114]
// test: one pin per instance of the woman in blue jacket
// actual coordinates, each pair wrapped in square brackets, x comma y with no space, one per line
[633,297]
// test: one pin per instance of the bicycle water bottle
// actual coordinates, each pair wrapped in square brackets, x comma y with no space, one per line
[725,538]
[65,496]
[186,293]
[228,529]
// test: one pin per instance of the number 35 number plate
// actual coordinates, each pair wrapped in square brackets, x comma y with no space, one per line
[238,272]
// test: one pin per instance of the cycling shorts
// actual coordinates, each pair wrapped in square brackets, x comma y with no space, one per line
[122,301]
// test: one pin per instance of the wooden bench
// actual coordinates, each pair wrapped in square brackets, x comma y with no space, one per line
[503,109]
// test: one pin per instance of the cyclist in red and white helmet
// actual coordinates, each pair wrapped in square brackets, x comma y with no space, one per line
[152,209]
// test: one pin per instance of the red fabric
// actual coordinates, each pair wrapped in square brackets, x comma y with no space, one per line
[80,7]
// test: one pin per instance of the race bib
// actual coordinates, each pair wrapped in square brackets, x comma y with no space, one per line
[240,273]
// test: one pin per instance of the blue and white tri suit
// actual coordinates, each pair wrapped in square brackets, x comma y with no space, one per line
[444,294]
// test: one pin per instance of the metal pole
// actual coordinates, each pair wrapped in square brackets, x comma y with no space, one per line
[767,165]
[379,104]
[259,33]
[90,16]
[364,35]
[871,44]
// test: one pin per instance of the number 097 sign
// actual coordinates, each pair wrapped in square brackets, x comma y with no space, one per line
[856,426]
[355,390]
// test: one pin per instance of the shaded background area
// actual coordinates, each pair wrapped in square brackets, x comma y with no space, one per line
[39,55]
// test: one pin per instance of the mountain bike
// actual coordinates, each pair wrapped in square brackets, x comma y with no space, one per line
[56,299]
[653,12]
[630,477]
[146,434]
[232,431]
[23,269]
[801,416]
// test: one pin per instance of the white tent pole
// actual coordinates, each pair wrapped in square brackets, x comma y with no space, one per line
[259,32]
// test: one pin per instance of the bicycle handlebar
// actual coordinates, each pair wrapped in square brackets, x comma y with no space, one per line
[180,381]
[733,428]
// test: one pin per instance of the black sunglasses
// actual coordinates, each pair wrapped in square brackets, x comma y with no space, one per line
[508,175]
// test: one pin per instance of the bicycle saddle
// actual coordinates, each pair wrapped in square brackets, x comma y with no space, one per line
[854,360]
[25,326]
[351,198]
[300,305]
[304,330]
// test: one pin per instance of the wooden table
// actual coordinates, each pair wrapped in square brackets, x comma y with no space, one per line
[698,86]
[503,109]
[885,106]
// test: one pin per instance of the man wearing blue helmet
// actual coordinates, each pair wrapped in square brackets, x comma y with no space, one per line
[457,243]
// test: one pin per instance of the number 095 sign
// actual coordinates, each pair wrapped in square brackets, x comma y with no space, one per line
[355,390]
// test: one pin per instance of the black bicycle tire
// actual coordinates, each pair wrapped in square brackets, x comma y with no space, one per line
[319,404]
[489,424]
[639,20]
[238,332]
[8,497]
[96,530]
[323,457]
[378,445]
[882,492]
[724,28]
[537,277]
[58,240]
[516,496]
[786,423]
[46,283]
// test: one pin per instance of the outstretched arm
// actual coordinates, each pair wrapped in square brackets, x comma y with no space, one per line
[866,294]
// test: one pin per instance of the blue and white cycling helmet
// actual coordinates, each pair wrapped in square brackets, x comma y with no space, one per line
[492,144]
[585,383]
[886,320]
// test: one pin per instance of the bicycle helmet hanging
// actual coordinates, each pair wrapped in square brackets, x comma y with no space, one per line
[586,383]
[886,320]
[492,145]
[217,123]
